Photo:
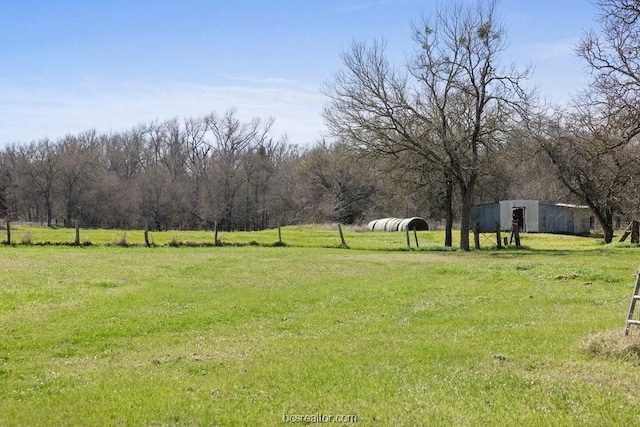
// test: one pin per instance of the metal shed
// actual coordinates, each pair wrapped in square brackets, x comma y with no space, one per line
[533,216]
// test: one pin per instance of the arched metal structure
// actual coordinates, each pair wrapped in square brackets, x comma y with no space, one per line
[398,224]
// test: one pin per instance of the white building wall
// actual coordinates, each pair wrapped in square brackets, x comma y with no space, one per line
[530,214]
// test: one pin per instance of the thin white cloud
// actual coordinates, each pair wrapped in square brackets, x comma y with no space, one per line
[360,5]
[547,51]
[32,113]
[269,82]
[553,50]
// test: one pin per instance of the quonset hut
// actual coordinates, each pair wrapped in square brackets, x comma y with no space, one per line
[533,216]
[398,224]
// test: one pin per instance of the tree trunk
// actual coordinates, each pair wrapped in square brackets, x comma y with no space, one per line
[605,219]
[448,234]
[49,210]
[466,193]
[608,232]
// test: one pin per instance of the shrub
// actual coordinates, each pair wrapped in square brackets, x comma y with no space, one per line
[122,241]
[26,239]
[175,242]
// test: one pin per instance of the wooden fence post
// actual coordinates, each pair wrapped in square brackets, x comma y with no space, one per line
[216,242]
[408,239]
[626,233]
[279,234]
[476,235]
[146,233]
[344,243]
[8,231]
[635,231]
[498,238]
[77,239]
[515,233]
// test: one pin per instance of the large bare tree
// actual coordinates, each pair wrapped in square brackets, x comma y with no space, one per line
[232,142]
[592,161]
[337,187]
[595,146]
[613,54]
[451,108]
[39,166]
[79,164]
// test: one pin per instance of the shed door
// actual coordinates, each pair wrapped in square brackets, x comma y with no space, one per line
[517,215]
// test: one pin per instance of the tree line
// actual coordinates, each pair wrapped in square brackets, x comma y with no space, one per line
[192,174]
[196,172]
[451,128]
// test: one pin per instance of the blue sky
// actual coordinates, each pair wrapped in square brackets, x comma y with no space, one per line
[67,66]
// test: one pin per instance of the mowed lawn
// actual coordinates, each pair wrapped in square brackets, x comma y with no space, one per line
[255,335]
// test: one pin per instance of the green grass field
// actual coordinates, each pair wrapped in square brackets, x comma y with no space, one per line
[256,335]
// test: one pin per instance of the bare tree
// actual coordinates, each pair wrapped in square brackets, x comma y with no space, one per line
[452,108]
[163,179]
[613,56]
[260,170]
[611,103]
[232,139]
[171,173]
[595,147]
[79,164]
[117,195]
[283,199]
[595,159]
[337,186]
[7,185]
[122,153]
[196,168]
[39,166]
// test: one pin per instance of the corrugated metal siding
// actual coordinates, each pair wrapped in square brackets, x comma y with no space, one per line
[565,219]
[543,217]
[582,221]
[487,216]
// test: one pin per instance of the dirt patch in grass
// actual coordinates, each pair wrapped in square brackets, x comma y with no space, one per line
[614,345]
